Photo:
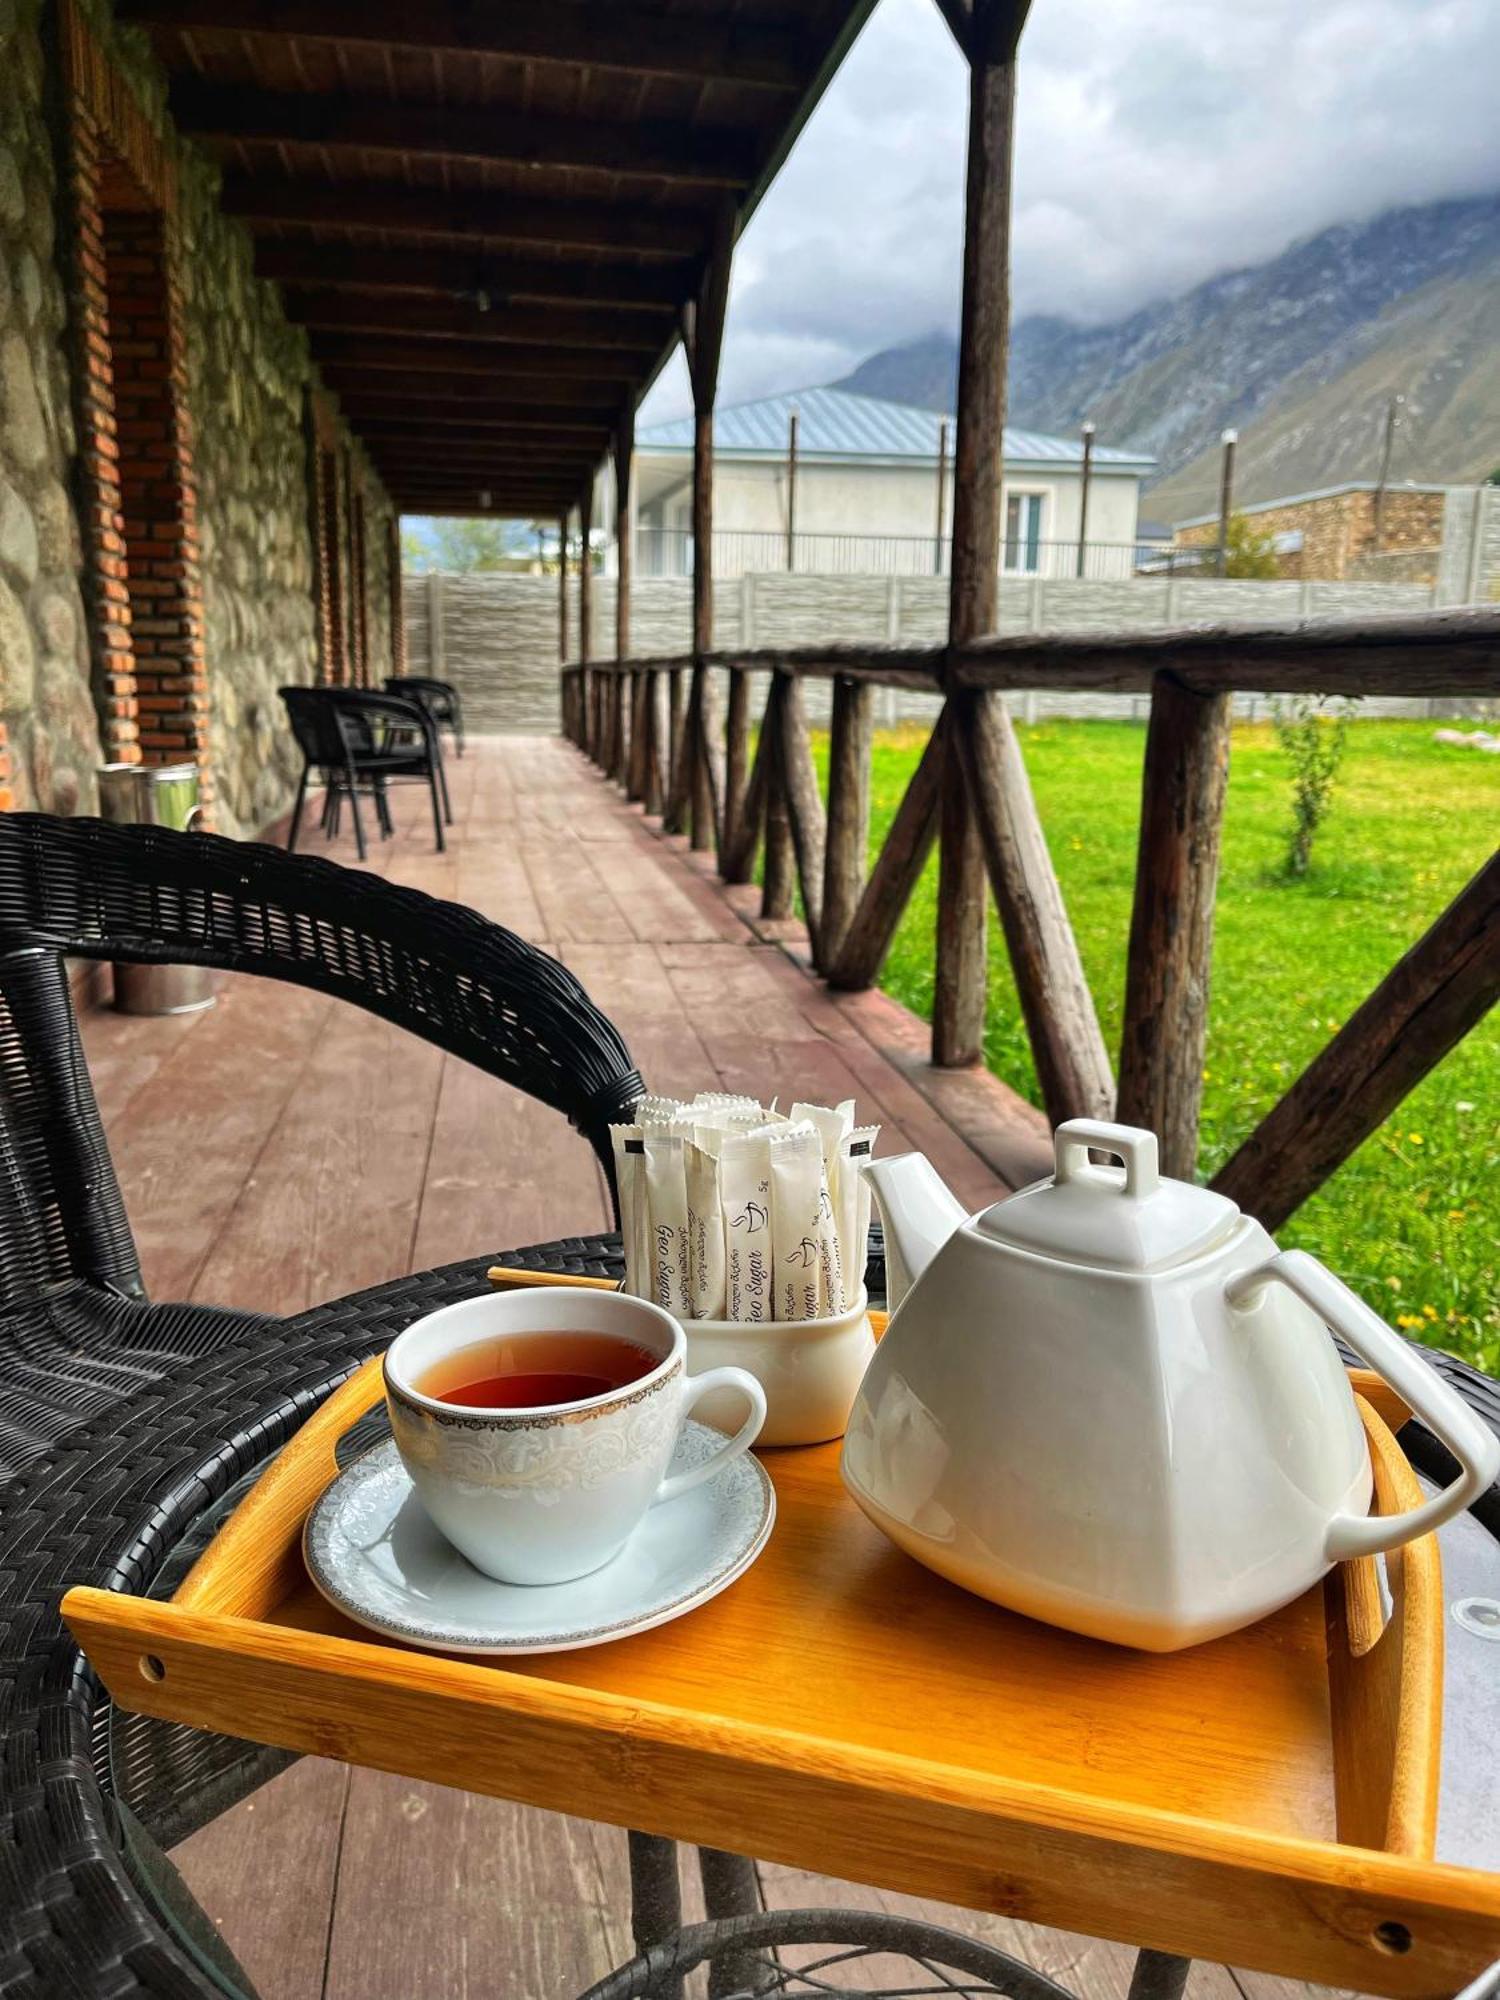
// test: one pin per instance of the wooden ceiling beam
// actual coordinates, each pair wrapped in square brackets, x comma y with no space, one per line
[571,371]
[644,149]
[623,229]
[460,273]
[441,319]
[393,423]
[603,35]
[504,458]
[416,496]
[368,404]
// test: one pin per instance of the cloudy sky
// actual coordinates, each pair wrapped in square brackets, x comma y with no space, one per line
[1159,141]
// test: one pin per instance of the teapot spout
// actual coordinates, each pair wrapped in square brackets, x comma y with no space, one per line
[917,1214]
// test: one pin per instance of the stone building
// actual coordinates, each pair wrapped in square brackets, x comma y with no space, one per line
[186,523]
[1343,534]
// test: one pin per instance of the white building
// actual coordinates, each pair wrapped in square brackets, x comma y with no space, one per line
[867,492]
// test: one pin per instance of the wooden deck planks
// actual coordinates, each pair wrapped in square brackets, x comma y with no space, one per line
[281,1149]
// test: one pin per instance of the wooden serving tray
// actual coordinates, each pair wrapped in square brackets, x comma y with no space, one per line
[1267,1800]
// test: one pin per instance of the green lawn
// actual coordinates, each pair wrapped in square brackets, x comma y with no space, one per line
[1412,1221]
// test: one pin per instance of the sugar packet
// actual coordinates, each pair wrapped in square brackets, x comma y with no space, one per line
[708,1270]
[804,1249]
[854,1205]
[635,1208]
[666,1187]
[745,1189]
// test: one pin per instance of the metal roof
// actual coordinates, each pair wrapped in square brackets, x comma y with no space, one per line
[837,423]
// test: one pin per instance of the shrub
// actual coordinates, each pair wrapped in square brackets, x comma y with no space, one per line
[1248,551]
[1314,740]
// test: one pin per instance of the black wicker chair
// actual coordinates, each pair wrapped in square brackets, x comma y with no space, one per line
[76,1331]
[441,699]
[360,743]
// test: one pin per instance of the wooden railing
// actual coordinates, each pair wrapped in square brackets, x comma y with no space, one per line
[630,716]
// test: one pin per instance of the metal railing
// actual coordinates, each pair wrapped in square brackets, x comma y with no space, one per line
[756,552]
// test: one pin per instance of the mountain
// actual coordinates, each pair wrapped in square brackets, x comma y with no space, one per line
[1300,353]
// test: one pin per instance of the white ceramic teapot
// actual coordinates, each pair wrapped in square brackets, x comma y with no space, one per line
[1110,1403]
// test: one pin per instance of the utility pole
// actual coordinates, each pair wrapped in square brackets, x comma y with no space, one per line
[1083,496]
[942,500]
[1392,418]
[791,491]
[1229,440]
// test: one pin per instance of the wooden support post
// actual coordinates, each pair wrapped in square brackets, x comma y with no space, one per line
[857,962]
[704,340]
[736,760]
[737,859]
[778,876]
[1443,987]
[621,688]
[1059,1011]
[1066,1045]
[397,608]
[674,807]
[959,984]
[846,853]
[1172,930]
[961,946]
[591,682]
[804,803]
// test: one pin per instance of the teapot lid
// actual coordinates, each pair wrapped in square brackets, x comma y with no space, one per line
[1122,1219]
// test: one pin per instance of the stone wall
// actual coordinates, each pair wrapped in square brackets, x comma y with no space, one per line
[250,611]
[47,715]
[496,636]
[1337,528]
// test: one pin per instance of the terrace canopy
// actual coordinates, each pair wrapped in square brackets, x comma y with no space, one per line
[492,219]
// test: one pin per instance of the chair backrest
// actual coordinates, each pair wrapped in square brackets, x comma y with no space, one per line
[316,725]
[439,698]
[79,888]
[333,724]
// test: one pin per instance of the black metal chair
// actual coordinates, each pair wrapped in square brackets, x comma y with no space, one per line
[441,699]
[76,1331]
[360,742]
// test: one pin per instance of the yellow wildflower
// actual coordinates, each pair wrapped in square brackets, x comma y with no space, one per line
[1408,1320]
[1414,1138]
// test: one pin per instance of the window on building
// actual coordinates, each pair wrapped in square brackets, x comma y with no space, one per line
[1023,532]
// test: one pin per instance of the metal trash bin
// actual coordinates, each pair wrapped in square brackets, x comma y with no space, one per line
[156,795]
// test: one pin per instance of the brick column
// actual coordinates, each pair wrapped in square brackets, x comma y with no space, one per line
[98,481]
[157,490]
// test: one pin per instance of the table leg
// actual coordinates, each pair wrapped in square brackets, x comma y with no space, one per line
[655,1896]
[1159,1975]
[731,1888]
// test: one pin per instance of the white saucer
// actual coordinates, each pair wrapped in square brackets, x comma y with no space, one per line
[375,1555]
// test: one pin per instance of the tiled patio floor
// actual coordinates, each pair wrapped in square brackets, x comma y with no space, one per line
[283,1149]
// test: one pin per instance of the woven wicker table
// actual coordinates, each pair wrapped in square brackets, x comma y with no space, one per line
[90,1797]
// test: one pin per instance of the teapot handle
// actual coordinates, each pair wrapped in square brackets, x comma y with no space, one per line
[1441,1408]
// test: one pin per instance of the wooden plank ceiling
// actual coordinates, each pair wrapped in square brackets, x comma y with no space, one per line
[489,214]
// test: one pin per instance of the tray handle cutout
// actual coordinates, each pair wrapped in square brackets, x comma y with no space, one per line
[256,1557]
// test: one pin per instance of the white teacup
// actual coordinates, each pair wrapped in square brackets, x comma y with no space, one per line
[547,1494]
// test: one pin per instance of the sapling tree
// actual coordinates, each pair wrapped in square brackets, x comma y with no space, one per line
[1314,738]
